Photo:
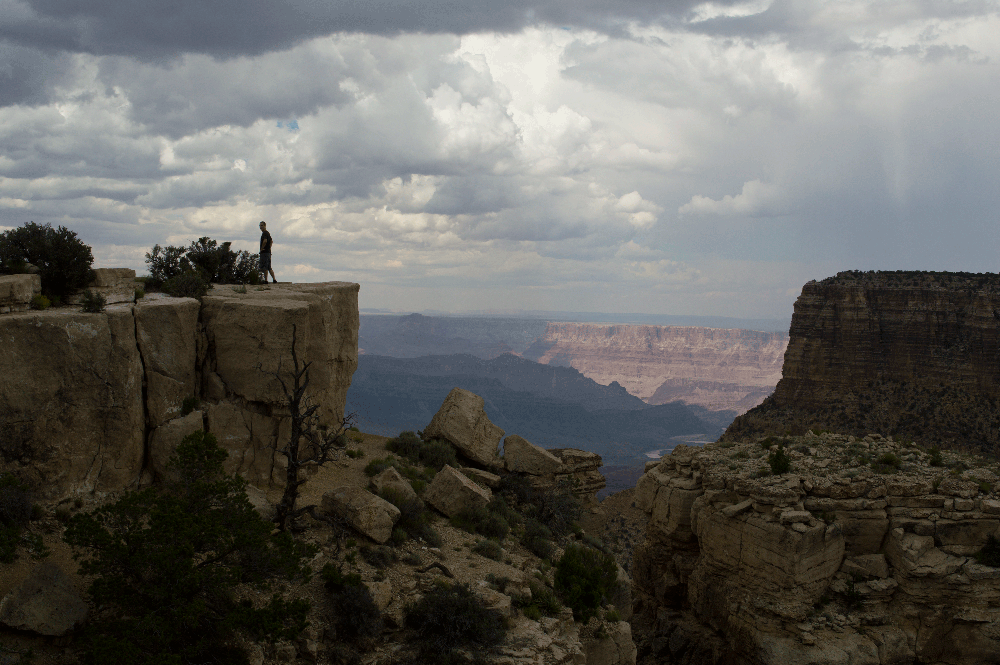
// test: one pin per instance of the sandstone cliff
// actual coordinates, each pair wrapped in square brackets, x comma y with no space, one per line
[91,402]
[715,368]
[916,355]
[863,553]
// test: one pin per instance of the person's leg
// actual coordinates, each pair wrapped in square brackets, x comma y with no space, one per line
[273,278]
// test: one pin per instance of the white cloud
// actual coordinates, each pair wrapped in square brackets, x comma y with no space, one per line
[757,199]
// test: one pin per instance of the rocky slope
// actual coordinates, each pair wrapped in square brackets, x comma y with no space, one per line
[864,552]
[906,353]
[715,368]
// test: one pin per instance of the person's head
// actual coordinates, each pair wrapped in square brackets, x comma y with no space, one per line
[263,226]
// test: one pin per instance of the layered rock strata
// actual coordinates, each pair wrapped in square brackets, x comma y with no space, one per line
[915,355]
[91,401]
[715,368]
[862,553]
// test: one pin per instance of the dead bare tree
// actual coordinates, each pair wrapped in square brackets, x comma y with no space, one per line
[319,444]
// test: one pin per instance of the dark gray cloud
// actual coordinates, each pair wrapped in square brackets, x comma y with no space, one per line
[154,30]
[28,75]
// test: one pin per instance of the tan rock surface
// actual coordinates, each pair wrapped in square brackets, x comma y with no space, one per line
[163,441]
[72,384]
[451,491]
[45,603]
[369,514]
[166,330]
[753,557]
[462,421]
[522,456]
[17,291]
[249,337]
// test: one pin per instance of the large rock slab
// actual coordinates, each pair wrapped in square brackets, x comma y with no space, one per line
[71,412]
[522,456]
[45,603]
[614,647]
[369,514]
[451,492]
[166,330]
[462,421]
[16,292]
[250,438]
[391,480]
[249,338]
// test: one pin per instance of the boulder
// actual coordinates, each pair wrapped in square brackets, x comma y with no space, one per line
[117,285]
[521,456]
[462,421]
[614,648]
[369,514]
[391,479]
[249,437]
[163,441]
[45,603]
[17,291]
[450,492]
[484,478]
[166,330]
[72,383]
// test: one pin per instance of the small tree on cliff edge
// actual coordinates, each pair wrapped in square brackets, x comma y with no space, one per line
[318,445]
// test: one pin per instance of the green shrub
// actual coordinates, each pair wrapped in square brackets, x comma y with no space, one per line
[433,453]
[93,302]
[62,259]
[537,538]
[779,461]
[189,404]
[542,601]
[480,520]
[584,579]
[140,293]
[165,564]
[414,519]
[452,616]
[379,556]
[354,453]
[935,457]
[990,554]
[489,548]
[612,615]
[886,463]
[188,284]
[40,302]
[356,616]
[212,261]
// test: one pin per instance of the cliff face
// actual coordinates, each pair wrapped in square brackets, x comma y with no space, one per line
[911,354]
[92,402]
[863,553]
[715,368]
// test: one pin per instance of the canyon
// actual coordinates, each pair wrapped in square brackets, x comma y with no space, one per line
[718,369]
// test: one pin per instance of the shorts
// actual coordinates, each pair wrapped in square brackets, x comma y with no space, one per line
[265,261]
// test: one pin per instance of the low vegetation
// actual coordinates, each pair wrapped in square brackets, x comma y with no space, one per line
[165,564]
[187,270]
[585,578]
[62,260]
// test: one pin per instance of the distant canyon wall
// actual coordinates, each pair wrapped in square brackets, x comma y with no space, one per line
[714,368]
[92,403]
[910,354]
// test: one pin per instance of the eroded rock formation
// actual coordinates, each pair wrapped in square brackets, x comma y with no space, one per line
[915,355]
[862,553]
[90,401]
[715,368]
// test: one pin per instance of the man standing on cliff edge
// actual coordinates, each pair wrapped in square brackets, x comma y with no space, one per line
[265,253]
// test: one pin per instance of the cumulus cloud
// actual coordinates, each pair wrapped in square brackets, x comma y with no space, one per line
[566,155]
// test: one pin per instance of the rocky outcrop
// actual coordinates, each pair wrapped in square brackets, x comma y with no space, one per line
[451,492]
[852,556]
[463,422]
[715,368]
[45,603]
[90,401]
[913,355]
[522,456]
[17,291]
[369,514]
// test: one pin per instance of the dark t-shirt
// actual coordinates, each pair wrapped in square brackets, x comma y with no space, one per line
[265,242]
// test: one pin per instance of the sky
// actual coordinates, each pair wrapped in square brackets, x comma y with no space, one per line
[666,157]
